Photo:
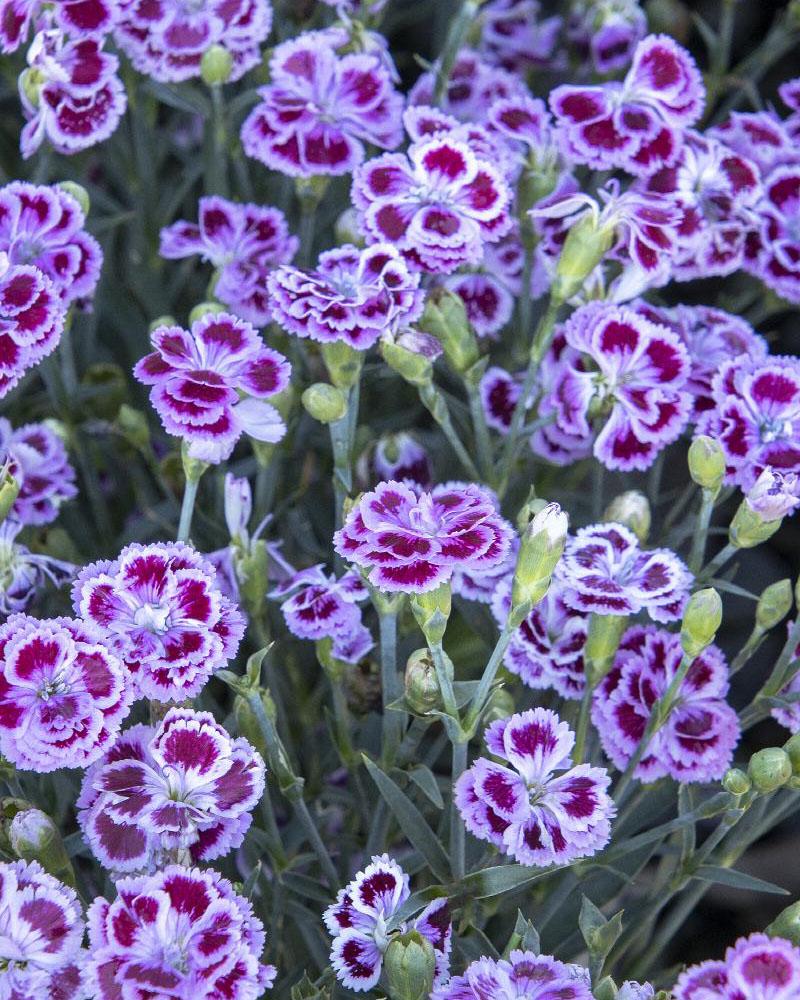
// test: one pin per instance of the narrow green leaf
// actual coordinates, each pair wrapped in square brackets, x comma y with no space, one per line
[425,780]
[737,880]
[503,878]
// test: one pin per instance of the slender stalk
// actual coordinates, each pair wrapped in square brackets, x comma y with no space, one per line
[459,26]
[748,650]
[582,727]
[720,56]
[457,829]
[217,164]
[701,531]
[776,681]
[479,699]
[187,509]
[390,683]
[483,443]
[342,472]
[444,675]
[437,407]
[724,555]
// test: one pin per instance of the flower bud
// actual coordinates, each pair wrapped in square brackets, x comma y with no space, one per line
[774,604]
[749,528]
[343,363]
[499,706]
[193,468]
[132,425]
[283,402]
[540,549]
[31,81]
[736,781]
[9,489]
[633,510]
[421,684]
[203,309]
[346,228]
[701,620]
[411,355]
[774,495]
[324,402]
[706,463]
[602,642]
[787,924]
[252,576]
[165,320]
[78,192]
[529,510]
[445,317]
[584,248]
[238,505]
[246,722]
[792,747]
[216,65]
[432,610]
[409,965]
[35,837]
[769,769]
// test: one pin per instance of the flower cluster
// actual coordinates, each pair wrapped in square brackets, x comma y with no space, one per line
[38,461]
[606,32]
[756,966]
[522,975]
[75,17]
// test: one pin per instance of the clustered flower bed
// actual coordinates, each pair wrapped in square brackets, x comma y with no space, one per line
[383,481]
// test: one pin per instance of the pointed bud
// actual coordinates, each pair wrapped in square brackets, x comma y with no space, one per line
[584,248]
[736,781]
[749,528]
[35,837]
[9,489]
[602,643]
[132,425]
[445,317]
[238,505]
[78,192]
[421,685]
[633,510]
[787,924]
[409,965]
[324,402]
[432,611]
[701,621]
[216,65]
[411,355]
[769,769]
[774,604]
[706,463]
[540,549]
[204,309]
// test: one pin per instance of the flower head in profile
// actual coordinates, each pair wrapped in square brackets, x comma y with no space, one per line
[775,249]
[607,32]
[414,541]
[63,693]
[243,242]
[698,739]
[210,384]
[179,932]
[185,788]
[320,108]
[401,457]
[358,920]
[774,495]
[756,966]
[535,806]
[317,606]
[354,296]
[38,461]
[78,18]
[605,571]
[160,608]
[23,573]
[31,320]
[42,931]
[522,976]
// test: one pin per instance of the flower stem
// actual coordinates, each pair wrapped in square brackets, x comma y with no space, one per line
[582,726]
[719,560]
[187,509]
[457,838]
[455,39]
[217,155]
[437,408]
[390,683]
[777,680]
[701,531]
[479,699]
[483,443]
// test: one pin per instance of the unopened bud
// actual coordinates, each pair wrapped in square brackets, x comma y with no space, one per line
[252,576]
[216,66]
[193,468]
[159,321]
[346,228]
[774,604]
[787,924]
[35,837]
[584,248]
[421,684]
[204,309]
[602,643]
[78,192]
[701,620]
[749,529]
[9,489]
[631,509]
[411,355]
[247,724]
[238,505]
[706,462]
[540,549]
[769,769]
[792,747]
[529,510]
[736,781]
[132,425]
[31,81]
[445,317]
[343,363]
[409,965]
[324,402]
[432,610]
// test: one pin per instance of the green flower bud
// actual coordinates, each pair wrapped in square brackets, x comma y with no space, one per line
[31,81]
[9,490]
[786,924]
[193,468]
[203,309]
[774,604]
[216,66]
[409,965]
[346,228]
[445,317]
[706,462]
[529,510]
[769,769]
[324,402]
[411,355]
[631,509]
[584,248]
[701,620]
[736,781]
[246,722]
[432,610]
[792,747]
[9,807]
[35,837]
[165,320]
[499,706]
[421,685]
[133,426]
[343,363]
[78,192]
[749,529]
[602,643]
[541,547]
[605,990]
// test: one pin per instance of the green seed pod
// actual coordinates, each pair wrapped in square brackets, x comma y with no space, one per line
[35,837]
[324,402]
[736,781]
[216,66]
[786,924]
[769,769]
[445,317]
[409,965]
[79,193]
[701,620]
[706,462]
[432,611]
[421,684]
[774,604]
[633,510]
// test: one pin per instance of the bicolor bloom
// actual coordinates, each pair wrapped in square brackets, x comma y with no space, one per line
[774,495]
[472,87]
[354,296]
[42,931]
[483,586]
[760,136]
[79,18]
[179,932]
[210,384]
[756,966]
[184,789]
[71,94]
[604,571]
[514,35]
[318,606]
[159,607]
[697,741]
[777,259]
[243,242]
[522,976]
[320,108]
[535,806]
[756,416]
[166,39]
[357,923]
[401,457]
[23,573]
[607,32]
[500,392]
[37,459]
[625,375]
[31,320]
[439,204]
[636,125]
[63,693]
[414,541]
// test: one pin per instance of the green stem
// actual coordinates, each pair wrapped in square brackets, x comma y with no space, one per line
[483,443]
[481,696]
[436,406]
[724,555]
[754,640]
[342,472]
[457,829]
[187,509]
[582,727]
[776,681]
[444,675]
[217,164]
[459,26]
[390,684]
[701,531]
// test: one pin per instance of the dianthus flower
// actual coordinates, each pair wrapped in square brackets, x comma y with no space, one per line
[210,383]
[31,320]
[71,94]
[776,257]
[529,810]
[41,930]
[760,136]
[38,461]
[515,36]
[318,606]
[184,789]
[604,571]
[43,226]
[636,125]
[607,32]
[320,108]
[473,85]
[166,39]
[160,608]
[756,416]
[439,204]
[243,242]
[546,651]
[79,18]
[697,741]
[399,456]
[412,542]
[357,922]
[717,191]
[63,693]
[631,374]
[500,392]
[353,295]
[522,976]
[181,932]
[22,572]
[489,294]
[774,495]
[767,968]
